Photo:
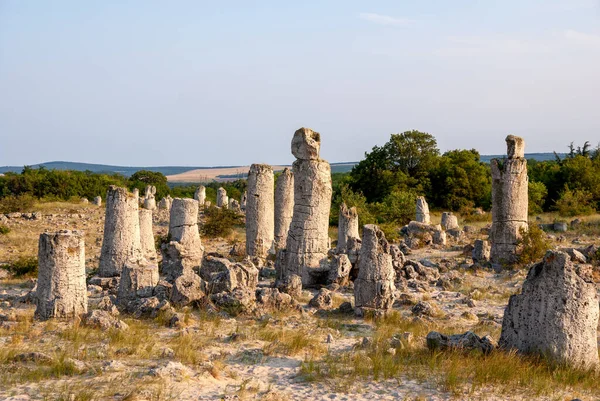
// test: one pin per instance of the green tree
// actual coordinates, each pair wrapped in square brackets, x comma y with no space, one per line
[537,197]
[140,179]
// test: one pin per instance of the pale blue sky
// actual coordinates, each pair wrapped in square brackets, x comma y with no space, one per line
[228,82]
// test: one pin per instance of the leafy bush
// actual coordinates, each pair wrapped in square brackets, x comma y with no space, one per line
[220,222]
[398,207]
[532,245]
[12,204]
[24,266]
[537,196]
[4,229]
[576,202]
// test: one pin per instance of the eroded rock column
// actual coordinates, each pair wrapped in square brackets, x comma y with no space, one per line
[121,232]
[149,199]
[200,195]
[185,251]
[260,219]
[222,198]
[347,227]
[284,207]
[374,287]
[147,235]
[61,289]
[422,211]
[509,201]
[307,241]
[556,314]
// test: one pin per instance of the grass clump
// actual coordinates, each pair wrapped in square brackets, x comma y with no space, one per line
[4,229]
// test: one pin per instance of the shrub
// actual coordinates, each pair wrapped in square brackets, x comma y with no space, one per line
[24,266]
[12,204]
[537,196]
[4,229]
[220,222]
[533,244]
[576,202]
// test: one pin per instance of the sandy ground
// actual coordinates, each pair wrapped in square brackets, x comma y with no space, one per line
[213,174]
[218,357]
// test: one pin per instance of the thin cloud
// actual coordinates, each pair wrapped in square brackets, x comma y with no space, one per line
[384,19]
[582,37]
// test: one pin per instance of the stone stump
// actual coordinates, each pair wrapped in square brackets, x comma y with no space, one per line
[449,221]
[149,199]
[97,201]
[347,227]
[374,287]
[61,288]
[200,195]
[121,232]
[222,198]
[422,211]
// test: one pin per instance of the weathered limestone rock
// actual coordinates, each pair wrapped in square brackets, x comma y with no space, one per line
[347,227]
[439,238]
[291,285]
[121,232]
[481,251]
[222,198]
[449,221]
[137,281]
[224,275]
[61,289]
[509,201]
[284,207]
[146,235]
[271,298]
[235,205]
[465,342]
[97,201]
[244,200]
[165,203]
[339,273]
[85,201]
[322,300]
[374,287]
[149,199]
[308,240]
[422,211]
[200,195]
[555,315]
[185,251]
[260,218]
[187,288]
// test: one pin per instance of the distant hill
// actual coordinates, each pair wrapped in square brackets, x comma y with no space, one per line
[341,167]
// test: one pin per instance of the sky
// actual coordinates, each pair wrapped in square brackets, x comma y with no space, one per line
[205,83]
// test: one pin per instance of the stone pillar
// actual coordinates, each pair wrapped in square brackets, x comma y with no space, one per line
[61,289]
[149,199]
[556,313]
[222,198]
[307,241]
[374,287]
[147,235]
[481,251]
[165,203]
[97,201]
[509,201]
[284,207]
[347,227]
[185,251]
[200,195]
[121,232]
[422,211]
[260,218]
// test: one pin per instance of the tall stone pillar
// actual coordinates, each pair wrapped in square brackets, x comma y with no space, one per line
[509,201]
[284,207]
[260,211]
[347,227]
